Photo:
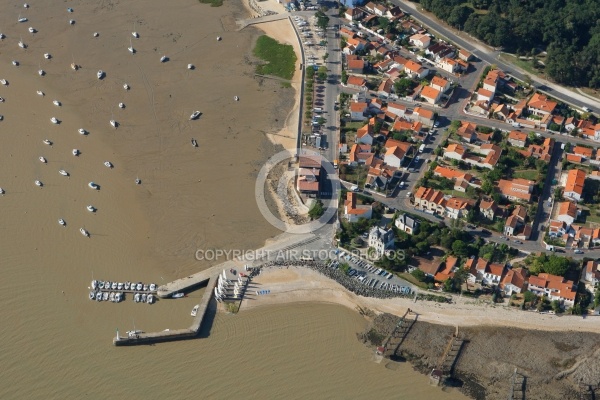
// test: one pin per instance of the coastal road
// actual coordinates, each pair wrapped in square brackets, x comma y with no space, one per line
[492,57]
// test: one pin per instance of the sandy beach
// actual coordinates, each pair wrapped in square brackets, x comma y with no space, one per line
[298,284]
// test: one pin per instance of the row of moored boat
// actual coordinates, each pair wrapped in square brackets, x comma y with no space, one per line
[117,297]
[129,286]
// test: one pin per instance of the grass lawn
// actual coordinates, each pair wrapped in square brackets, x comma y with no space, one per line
[526,65]
[409,278]
[530,174]
[280,58]
[213,3]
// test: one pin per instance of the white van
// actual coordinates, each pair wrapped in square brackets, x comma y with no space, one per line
[354,188]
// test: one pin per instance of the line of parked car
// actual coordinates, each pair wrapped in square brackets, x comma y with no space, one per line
[361,275]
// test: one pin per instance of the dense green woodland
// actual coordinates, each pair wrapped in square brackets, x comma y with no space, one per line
[569,30]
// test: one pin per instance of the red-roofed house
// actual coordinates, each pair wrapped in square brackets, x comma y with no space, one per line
[457,207]
[590,273]
[447,270]
[484,95]
[454,151]
[354,14]
[574,185]
[467,131]
[515,281]
[488,208]
[540,105]
[555,287]
[415,70]
[397,109]
[516,189]
[430,199]
[364,135]
[431,94]
[449,65]
[517,138]
[492,275]
[422,41]
[585,152]
[357,111]
[423,115]
[356,66]
[567,212]
[440,84]
[356,82]
[353,212]
[394,156]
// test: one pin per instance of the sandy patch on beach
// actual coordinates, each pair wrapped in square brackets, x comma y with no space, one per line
[299,284]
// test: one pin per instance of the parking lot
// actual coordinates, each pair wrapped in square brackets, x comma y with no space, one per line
[371,276]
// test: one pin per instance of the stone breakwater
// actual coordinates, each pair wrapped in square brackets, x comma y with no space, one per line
[350,283]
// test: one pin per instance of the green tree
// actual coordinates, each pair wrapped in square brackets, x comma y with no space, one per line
[418,274]
[402,86]
[460,248]
[322,20]
[316,210]
[344,77]
[529,296]
[322,73]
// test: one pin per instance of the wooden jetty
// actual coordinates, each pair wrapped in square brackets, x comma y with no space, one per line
[394,341]
[517,387]
[445,367]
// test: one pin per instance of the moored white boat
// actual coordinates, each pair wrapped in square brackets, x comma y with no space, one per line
[15,63]
[195,310]
[195,115]
[137,297]
[4,82]
[178,295]
[2,36]
[98,296]
[191,66]
[135,35]
[108,164]
[105,296]
[32,30]
[84,232]
[93,185]
[218,38]
[42,159]
[94,284]
[138,181]
[1,191]
[63,172]
[144,297]
[25,5]
[48,142]
[113,123]
[127,285]
[54,120]
[39,183]
[74,67]
[47,56]
[236,98]
[139,286]
[41,72]
[70,10]
[113,285]
[1,99]
[91,208]
[152,287]
[92,295]
[118,297]
[120,286]
[75,152]
[22,19]
[150,299]
[194,142]
[82,131]
[121,105]
[63,223]
[71,22]
[125,86]
[101,284]
[22,44]
[111,296]
[40,93]
[100,74]
[56,103]
[163,59]
[96,34]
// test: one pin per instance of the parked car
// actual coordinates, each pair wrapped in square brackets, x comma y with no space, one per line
[578,251]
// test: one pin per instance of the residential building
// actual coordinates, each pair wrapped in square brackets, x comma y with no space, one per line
[407,224]
[540,105]
[419,40]
[476,267]
[457,207]
[440,84]
[515,281]
[359,154]
[354,14]
[449,65]
[467,131]
[488,208]
[431,94]
[364,135]
[394,156]
[465,55]
[353,212]
[357,111]
[584,152]
[385,88]
[447,269]
[574,185]
[440,50]
[567,212]
[396,109]
[518,139]
[415,70]
[431,200]
[590,273]
[516,189]
[308,181]
[423,115]
[555,287]
[454,151]
[485,95]
[356,66]
[492,274]
[356,82]
[381,239]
